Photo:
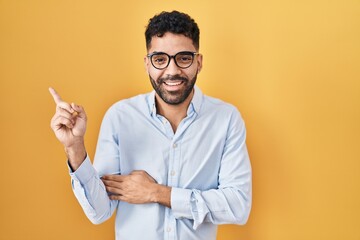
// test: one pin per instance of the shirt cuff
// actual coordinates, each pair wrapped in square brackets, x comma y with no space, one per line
[84,173]
[180,203]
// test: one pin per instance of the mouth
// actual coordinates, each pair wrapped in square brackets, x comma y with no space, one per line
[173,83]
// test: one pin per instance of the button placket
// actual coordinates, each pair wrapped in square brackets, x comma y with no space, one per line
[170,226]
[174,163]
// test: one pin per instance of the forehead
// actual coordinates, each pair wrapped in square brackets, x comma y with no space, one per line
[171,43]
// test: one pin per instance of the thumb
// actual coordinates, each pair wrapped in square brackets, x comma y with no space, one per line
[79,109]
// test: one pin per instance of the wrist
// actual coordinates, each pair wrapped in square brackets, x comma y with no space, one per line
[76,154]
[161,194]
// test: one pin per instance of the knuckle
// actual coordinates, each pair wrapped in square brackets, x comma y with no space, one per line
[52,119]
[142,172]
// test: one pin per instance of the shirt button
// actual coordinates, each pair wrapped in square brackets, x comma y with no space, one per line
[172,173]
[168,229]
[174,145]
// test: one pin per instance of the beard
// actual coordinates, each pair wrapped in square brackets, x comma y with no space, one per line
[173,97]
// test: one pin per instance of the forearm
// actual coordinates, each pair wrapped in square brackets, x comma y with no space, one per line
[230,205]
[91,193]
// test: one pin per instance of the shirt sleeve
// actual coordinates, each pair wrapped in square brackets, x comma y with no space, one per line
[230,203]
[91,193]
[86,183]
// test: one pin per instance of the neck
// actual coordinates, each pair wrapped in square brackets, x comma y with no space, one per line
[173,113]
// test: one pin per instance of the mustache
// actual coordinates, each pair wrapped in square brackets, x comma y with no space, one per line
[172,78]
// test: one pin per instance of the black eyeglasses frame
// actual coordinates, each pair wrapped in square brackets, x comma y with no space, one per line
[150,55]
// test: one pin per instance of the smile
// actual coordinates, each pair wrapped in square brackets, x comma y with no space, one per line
[173,83]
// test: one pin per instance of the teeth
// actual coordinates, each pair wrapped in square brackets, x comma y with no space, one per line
[173,83]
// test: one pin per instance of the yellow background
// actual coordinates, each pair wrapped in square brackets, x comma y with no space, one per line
[291,67]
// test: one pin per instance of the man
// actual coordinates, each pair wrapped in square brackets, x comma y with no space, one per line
[173,162]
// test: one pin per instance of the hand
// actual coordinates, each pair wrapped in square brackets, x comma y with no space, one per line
[68,122]
[138,187]
[69,126]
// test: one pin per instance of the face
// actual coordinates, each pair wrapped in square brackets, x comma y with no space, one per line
[173,85]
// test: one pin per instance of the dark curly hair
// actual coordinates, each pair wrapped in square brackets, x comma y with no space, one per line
[174,22]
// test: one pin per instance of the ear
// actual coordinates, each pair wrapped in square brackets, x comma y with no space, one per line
[146,64]
[199,60]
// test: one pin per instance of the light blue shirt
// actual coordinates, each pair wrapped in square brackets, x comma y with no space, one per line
[205,162]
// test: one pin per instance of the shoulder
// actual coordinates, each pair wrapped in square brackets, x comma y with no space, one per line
[219,107]
[225,116]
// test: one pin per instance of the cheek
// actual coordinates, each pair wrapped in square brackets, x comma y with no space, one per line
[154,74]
[191,73]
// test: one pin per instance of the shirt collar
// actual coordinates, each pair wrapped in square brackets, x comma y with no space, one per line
[195,103]
[197,99]
[151,103]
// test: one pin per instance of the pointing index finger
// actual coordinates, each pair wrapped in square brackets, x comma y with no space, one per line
[55,95]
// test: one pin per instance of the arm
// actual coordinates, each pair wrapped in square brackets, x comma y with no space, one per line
[69,126]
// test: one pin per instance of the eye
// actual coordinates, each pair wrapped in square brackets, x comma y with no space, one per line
[159,59]
[184,58]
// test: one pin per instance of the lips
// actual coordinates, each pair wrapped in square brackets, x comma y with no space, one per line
[173,83]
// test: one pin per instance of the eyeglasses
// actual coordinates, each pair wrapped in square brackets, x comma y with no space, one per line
[161,60]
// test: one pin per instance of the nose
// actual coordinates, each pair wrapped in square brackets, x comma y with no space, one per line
[172,69]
